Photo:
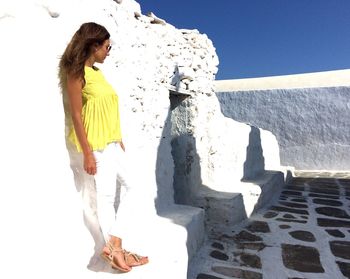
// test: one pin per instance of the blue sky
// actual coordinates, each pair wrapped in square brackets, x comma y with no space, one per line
[256,38]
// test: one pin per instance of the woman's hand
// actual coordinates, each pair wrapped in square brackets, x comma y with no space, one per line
[122,145]
[90,164]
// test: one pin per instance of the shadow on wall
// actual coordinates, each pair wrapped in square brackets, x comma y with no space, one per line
[255,164]
[270,182]
[189,217]
[164,192]
[221,208]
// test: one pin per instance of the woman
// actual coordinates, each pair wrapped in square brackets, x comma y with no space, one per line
[95,132]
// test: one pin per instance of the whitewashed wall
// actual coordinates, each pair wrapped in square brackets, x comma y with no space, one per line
[307,113]
[42,199]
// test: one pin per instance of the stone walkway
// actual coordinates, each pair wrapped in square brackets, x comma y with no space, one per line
[305,235]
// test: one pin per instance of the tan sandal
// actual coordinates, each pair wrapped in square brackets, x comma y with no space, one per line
[138,260]
[109,258]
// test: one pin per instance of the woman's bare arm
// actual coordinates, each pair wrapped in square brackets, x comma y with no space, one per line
[74,89]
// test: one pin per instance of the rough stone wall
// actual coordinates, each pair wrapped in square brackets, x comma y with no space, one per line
[310,124]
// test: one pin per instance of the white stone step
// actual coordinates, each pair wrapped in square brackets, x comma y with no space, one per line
[221,208]
[192,219]
[270,184]
[225,209]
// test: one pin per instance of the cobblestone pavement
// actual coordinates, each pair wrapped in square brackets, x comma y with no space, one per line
[305,235]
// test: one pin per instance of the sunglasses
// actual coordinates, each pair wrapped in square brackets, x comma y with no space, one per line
[108,48]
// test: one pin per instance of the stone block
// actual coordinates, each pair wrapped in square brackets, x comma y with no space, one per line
[271,184]
[221,208]
[192,219]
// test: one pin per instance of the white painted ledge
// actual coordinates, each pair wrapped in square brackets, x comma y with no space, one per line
[309,80]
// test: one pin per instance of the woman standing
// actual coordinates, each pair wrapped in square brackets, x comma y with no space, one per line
[96,131]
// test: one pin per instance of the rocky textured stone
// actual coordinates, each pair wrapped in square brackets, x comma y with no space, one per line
[291,221]
[323,182]
[325,191]
[207,276]
[288,216]
[325,187]
[237,273]
[250,260]
[301,258]
[295,188]
[327,202]
[284,227]
[270,214]
[292,193]
[340,249]
[218,255]
[245,236]
[258,226]
[332,212]
[335,233]
[217,245]
[289,210]
[324,222]
[258,246]
[344,268]
[303,235]
[293,204]
[298,182]
[299,200]
[225,237]
[323,196]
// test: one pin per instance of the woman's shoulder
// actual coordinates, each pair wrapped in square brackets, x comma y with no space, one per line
[93,68]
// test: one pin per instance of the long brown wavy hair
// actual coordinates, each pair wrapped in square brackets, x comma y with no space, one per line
[79,49]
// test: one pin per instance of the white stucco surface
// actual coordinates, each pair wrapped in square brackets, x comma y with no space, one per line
[309,80]
[307,114]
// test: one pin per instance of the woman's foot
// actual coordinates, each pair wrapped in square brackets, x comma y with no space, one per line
[116,257]
[133,259]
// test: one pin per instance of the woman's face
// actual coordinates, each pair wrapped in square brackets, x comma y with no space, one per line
[102,51]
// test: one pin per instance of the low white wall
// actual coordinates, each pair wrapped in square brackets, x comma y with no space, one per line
[214,155]
[308,114]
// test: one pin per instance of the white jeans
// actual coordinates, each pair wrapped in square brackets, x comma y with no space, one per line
[110,169]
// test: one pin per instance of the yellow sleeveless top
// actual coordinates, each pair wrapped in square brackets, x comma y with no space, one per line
[100,112]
